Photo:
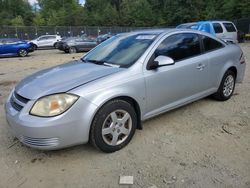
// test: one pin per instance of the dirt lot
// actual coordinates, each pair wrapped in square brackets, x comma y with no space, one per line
[204,144]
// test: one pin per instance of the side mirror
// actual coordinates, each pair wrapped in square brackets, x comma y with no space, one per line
[160,61]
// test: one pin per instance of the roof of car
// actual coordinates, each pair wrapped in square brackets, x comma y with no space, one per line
[153,31]
[167,30]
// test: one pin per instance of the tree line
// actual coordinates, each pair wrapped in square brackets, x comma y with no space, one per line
[119,12]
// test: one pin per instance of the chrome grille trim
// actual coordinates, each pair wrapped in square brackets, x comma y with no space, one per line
[41,142]
[20,98]
[15,105]
[17,101]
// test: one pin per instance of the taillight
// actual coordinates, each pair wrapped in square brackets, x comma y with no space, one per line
[242,59]
[242,62]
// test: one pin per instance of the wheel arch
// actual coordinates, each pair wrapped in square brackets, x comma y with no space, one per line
[234,69]
[128,99]
[229,66]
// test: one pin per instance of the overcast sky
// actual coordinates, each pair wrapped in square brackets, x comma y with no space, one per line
[35,1]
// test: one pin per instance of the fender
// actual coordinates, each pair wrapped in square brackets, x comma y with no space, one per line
[227,66]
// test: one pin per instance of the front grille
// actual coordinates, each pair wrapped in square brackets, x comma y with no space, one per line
[16,106]
[40,142]
[17,101]
[20,98]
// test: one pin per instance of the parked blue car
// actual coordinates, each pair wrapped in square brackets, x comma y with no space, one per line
[14,47]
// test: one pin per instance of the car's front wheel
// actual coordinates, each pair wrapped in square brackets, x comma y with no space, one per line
[22,52]
[113,126]
[226,88]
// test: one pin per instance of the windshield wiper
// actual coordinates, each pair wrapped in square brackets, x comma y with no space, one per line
[111,64]
[94,61]
[99,62]
[83,60]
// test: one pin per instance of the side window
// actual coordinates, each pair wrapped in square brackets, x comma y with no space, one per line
[42,38]
[51,37]
[217,28]
[229,27]
[179,46]
[210,44]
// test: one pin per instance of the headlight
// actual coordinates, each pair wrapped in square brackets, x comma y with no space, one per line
[53,105]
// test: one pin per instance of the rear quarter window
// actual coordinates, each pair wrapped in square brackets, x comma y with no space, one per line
[210,44]
[217,28]
[229,27]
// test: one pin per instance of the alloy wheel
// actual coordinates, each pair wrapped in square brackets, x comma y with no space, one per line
[228,86]
[116,127]
[22,53]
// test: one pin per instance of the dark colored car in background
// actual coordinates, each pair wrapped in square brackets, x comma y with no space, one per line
[14,47]
[104,37]
[76,44]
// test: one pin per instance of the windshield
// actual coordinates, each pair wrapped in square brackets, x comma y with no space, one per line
[121,50]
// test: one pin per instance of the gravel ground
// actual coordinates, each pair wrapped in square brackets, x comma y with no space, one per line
[203,144]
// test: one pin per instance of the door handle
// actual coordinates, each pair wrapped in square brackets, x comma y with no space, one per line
[200,67]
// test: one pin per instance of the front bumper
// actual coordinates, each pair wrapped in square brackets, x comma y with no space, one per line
[68,129]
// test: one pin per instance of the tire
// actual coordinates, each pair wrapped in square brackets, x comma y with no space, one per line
[34,46]
[55,45]
[22,52]
[113,126]
[227,86]
[72,50]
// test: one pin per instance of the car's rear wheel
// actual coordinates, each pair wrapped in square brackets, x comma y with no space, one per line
[72,50]
[227,86]
[113,126]
[22,52]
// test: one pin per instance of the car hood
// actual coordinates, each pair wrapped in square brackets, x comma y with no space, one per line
[62,78]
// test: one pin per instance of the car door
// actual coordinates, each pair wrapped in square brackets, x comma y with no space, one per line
[7,47]
[80,44]
[50,41]
[86,44]
[173,85]
[41,41]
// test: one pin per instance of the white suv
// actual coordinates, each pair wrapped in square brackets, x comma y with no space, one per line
[225,30]
[46,41]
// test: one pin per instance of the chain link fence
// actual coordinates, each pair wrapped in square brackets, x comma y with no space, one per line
[31,32]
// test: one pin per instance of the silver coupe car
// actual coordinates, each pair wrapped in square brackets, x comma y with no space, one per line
[103,97]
